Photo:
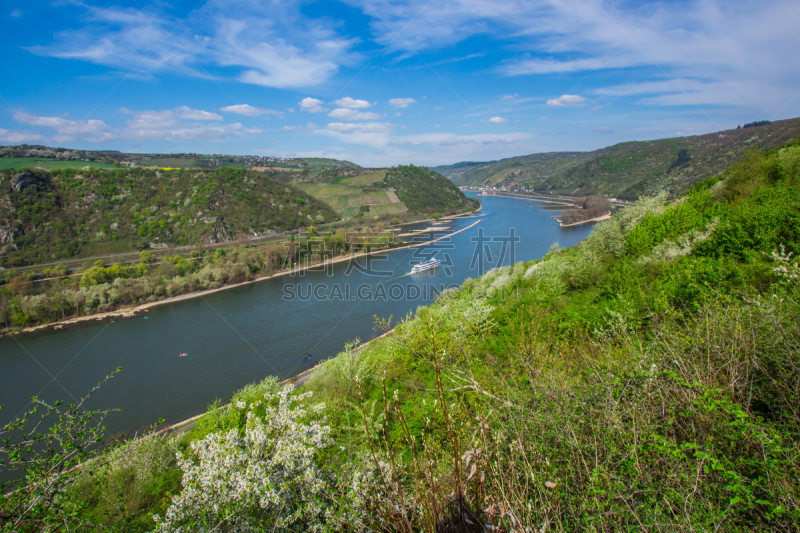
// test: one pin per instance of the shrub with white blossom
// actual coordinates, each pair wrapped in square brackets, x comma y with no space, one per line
[235,483]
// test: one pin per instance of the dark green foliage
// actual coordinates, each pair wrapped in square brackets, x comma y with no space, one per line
[683,157]
[757,226]
[694,213]
[422,189]
[69,213]
[756,124]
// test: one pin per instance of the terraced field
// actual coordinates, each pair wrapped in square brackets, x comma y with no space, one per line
[365,179]
[346,194]
[379,192]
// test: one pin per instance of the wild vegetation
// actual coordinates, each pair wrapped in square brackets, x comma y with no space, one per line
[588,208]
[646,379]
[632,169]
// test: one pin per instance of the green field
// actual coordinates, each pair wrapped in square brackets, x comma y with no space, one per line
[392,209]
[350,212]
[47,164]
[169,162]
[365,179]
[322,189]
[377,198]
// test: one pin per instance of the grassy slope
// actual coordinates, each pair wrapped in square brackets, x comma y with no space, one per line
[84,213]
[633,169]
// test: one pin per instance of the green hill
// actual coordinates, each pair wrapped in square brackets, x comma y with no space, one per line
[632,169]
[382,191]
[47,157]
[46,216]
[456,170]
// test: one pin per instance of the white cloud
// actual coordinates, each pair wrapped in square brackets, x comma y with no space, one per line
[91,130]
[351,114]
[312,105]
[187,113]
[566,100]
[366,127]
[16,13]
[248,110]
[603,129]
[400,103]
[19,136]
[721,42]
[178,124]
[398,114]
[510,96]
[498,120]
[292,128]
[350,103]
[297,52]
[167,125]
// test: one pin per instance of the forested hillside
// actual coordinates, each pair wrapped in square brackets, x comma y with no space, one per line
[633,169]
[46,216]
[422,189]
[454,171]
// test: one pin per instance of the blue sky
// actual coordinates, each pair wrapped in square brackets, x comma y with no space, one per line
[386,83]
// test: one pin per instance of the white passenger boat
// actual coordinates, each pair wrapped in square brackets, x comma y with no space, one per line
[425,265]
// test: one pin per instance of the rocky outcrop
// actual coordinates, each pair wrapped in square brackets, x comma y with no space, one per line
[7,234]
[22,181]
[219,233]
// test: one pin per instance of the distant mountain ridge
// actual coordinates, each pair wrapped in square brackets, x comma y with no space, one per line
[27,155]
[630,169]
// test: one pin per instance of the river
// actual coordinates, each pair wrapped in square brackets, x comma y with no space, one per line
[277,327]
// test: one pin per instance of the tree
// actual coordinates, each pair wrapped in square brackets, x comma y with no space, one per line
[47,443]
[94,276]
[19,285]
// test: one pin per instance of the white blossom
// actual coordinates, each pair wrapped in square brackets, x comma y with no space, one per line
[233,483]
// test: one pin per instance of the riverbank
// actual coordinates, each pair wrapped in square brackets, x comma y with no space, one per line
[135,311]
[588,220]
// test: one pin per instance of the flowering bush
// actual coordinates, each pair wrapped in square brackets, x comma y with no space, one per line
[234,483]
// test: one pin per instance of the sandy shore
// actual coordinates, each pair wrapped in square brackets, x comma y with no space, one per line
[595,219]
[134,311]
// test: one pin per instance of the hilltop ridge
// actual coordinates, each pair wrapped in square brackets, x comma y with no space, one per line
[628,170]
